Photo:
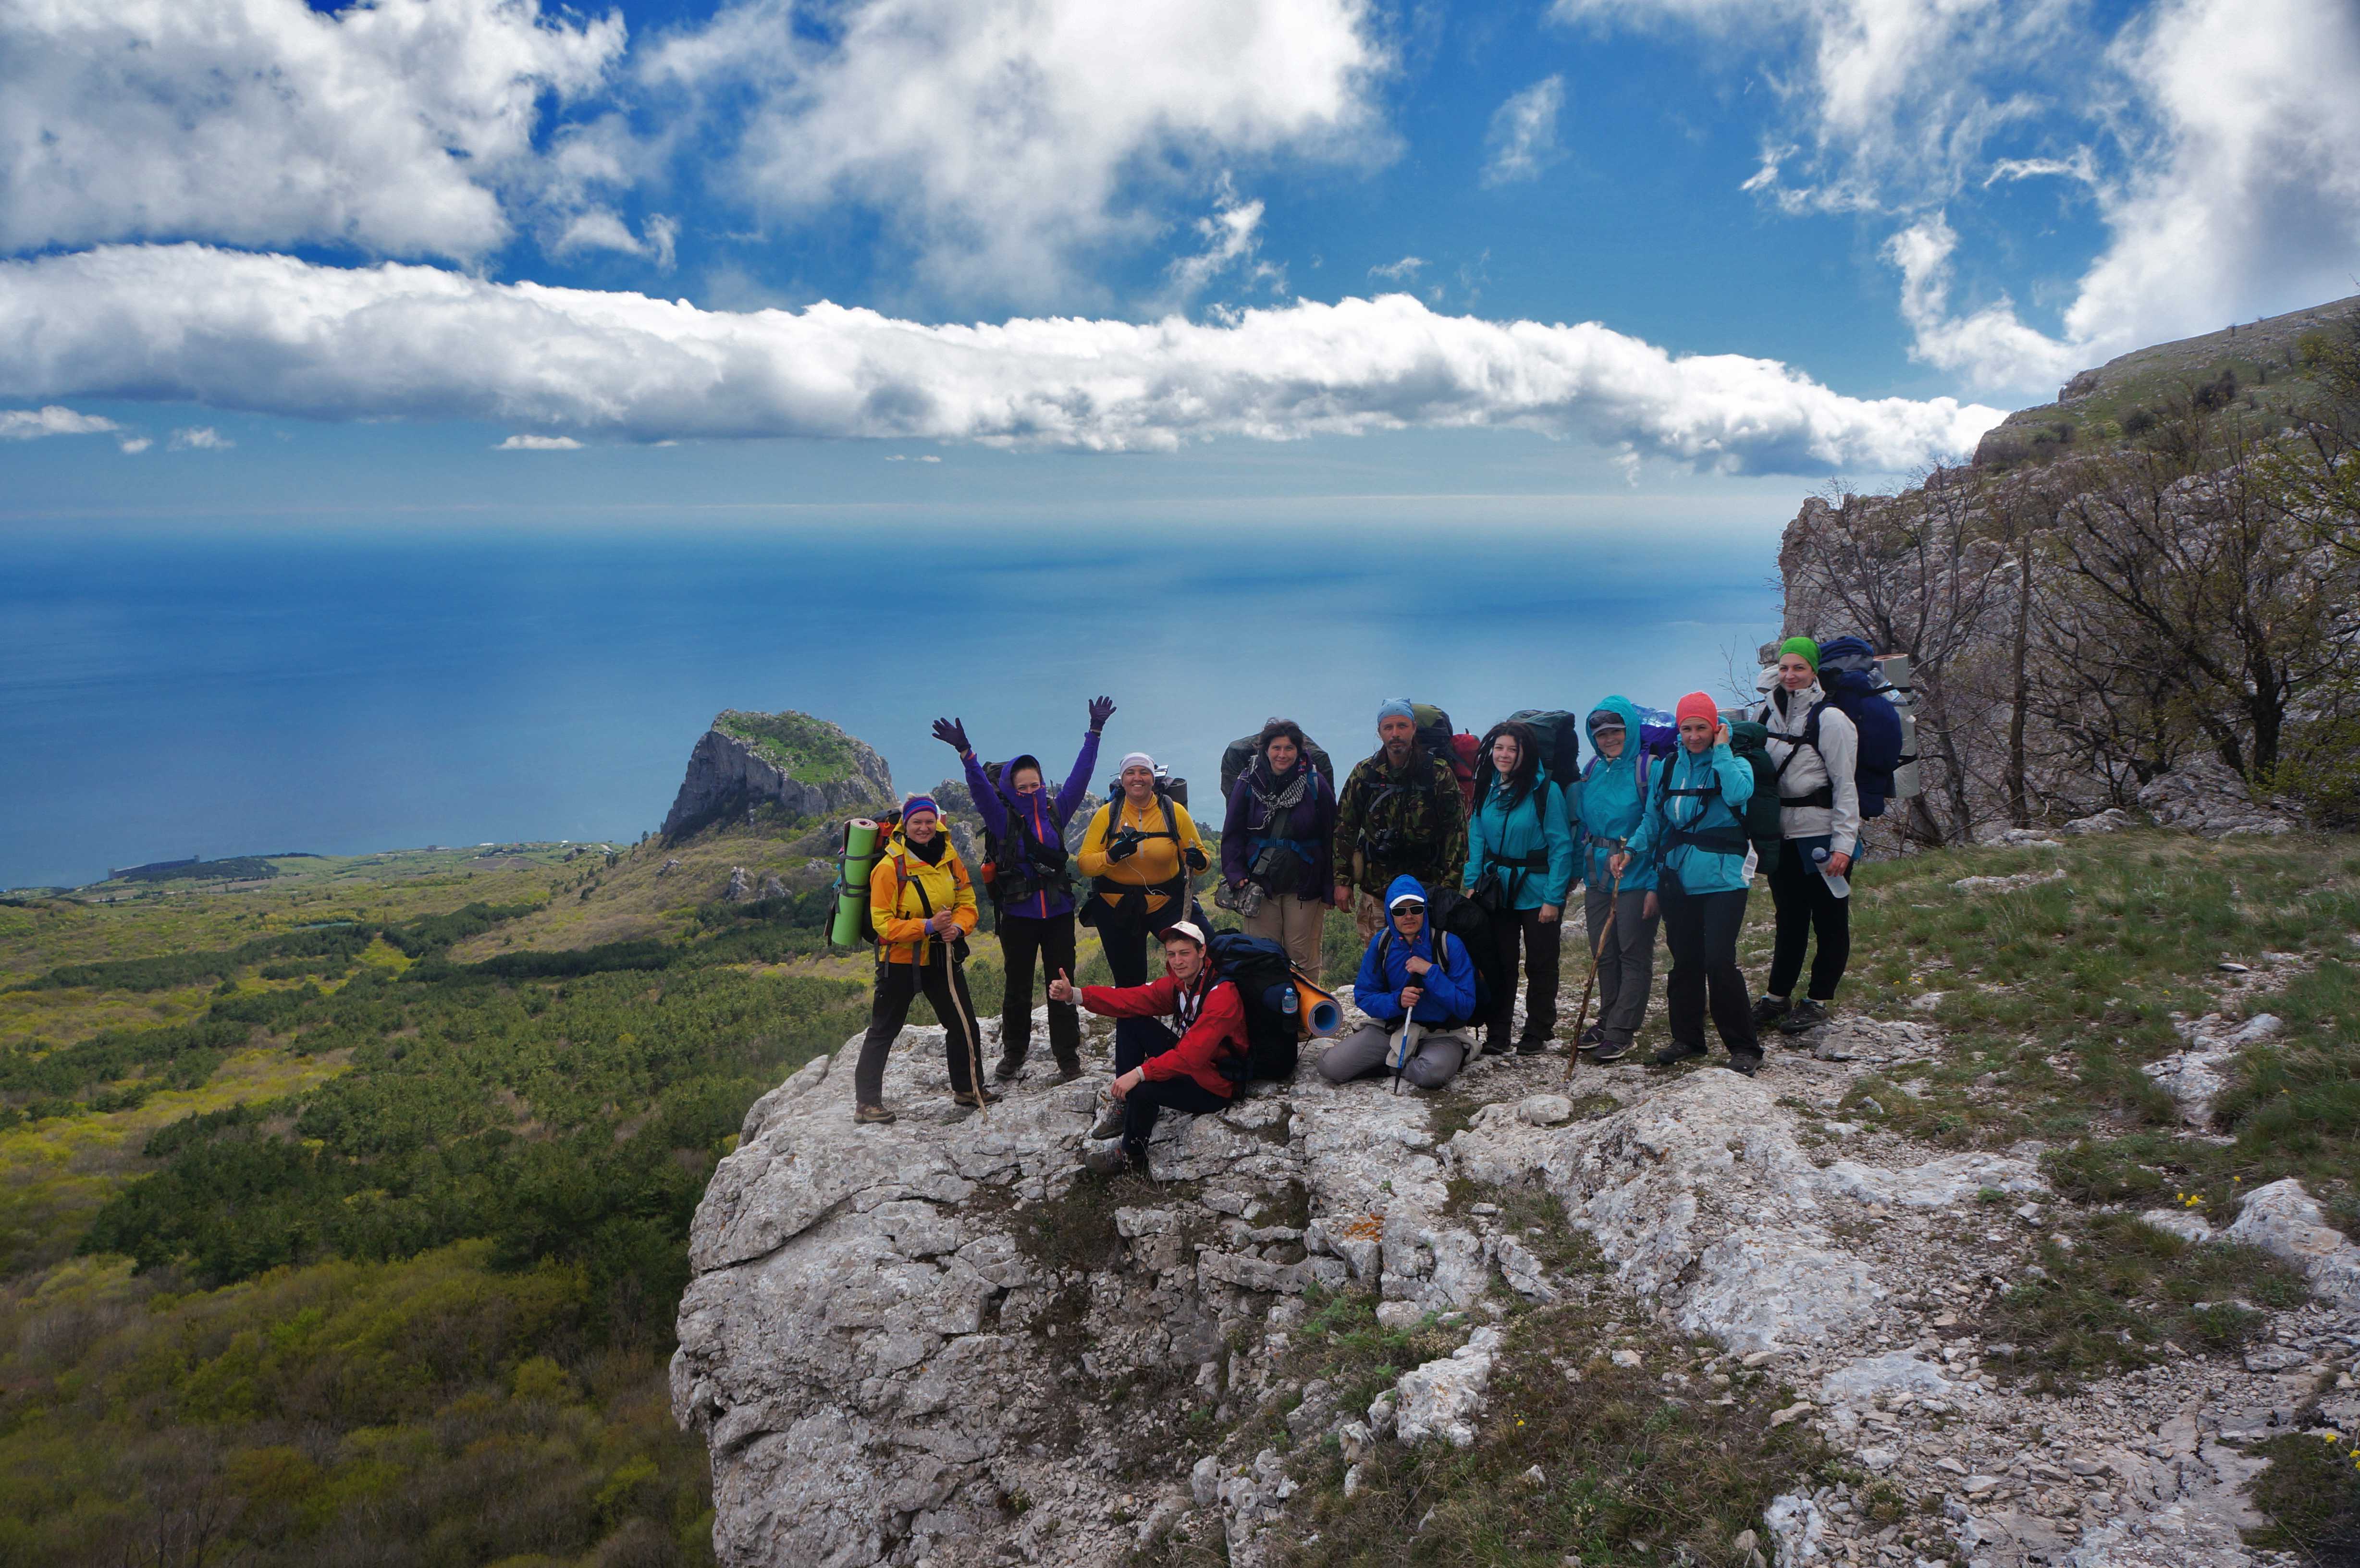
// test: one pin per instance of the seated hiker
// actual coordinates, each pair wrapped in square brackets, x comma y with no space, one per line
[1816,747]
[1417,986]
[1140,854]
[1183,1068]
[1275,840]
[1620,916]
[1520,868]
[1694,831]
[1400,814]
[1025,827]
[922,904]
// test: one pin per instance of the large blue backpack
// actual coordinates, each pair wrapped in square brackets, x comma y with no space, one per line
[1849,675]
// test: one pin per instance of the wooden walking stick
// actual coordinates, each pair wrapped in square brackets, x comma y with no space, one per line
[1597,950]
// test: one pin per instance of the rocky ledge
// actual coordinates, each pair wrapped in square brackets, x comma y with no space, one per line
[940,1343]
[733,768]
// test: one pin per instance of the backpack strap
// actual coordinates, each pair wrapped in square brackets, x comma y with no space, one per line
[1824,797]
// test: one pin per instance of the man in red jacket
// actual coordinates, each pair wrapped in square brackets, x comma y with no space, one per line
[1186,1075]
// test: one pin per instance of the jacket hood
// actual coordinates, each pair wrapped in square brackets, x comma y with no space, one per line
[1006,777]
[1405,884]
[1628,711]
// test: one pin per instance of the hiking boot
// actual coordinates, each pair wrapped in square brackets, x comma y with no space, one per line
[1675,1052]
[1007,1067]
[1610,1050]
[1109,1122]
[1497,1047]
[975,1099]
[1067,1069]
[1769,1009]
[1595,1036]
[1746,1061]
[1804,1015]
[1535,1045]
[1107,1156]
[871,1114]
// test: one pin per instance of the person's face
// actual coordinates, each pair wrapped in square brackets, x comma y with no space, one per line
[1182,959]
[1696,734]
[1282,753]
[919,827]
[1504,754]
[1139,783]
[1397,732]
[1027,781]
[1795,671]
[1409,919]
[1607,741]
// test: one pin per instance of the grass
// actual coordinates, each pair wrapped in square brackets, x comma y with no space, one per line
[810,750]
[2311,1494]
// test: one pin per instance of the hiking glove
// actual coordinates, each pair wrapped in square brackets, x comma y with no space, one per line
[952,733]
[1196,861]
[1123,846]
[1101,709]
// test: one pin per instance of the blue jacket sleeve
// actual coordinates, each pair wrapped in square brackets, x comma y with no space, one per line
[1452,982]
[1478,844]
[1736,779]
[988,803]
[1370,991]
[1234,834]
[1641,846]
[1557,831]
[1078,783]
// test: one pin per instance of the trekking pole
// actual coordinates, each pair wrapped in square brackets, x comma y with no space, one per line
[1597,950]
[952,981]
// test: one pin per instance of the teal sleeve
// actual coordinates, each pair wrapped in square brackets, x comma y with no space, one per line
[1557,827]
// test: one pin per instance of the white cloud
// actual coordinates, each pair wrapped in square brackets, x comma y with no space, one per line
[274,334]
[56,420]
[1523,138]
[133,445]
[1989,346]
[1001,137]
[538,443]
[389,127]
[1399,271]
[201,438]
[1231,238]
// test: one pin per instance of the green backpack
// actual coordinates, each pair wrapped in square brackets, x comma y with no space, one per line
[1749,741]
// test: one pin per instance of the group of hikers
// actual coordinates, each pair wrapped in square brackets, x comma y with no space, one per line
[1457,886]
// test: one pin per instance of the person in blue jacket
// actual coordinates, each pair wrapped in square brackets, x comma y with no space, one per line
[1417,986]
[1610,802]
[1521,839]
[1694,831]
[1030,889]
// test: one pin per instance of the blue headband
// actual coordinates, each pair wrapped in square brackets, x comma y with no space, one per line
[916,803]
[1395,708]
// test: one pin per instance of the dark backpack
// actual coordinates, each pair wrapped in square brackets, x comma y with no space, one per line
[1857,688]
[1016,867]
[1264,977]
[1750,741]
[1456,749]
[1238,755]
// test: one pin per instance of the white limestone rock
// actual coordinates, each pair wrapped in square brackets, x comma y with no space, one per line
[1444,1397]
[2281,1218]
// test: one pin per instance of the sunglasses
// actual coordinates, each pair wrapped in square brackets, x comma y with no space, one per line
[1409,909]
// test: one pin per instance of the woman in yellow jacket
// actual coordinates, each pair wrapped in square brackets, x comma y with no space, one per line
[922,904]
[1141,855]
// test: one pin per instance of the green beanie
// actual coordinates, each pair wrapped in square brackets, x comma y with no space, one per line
[1804,646]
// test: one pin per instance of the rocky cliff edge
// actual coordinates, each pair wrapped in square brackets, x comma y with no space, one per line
[806,766]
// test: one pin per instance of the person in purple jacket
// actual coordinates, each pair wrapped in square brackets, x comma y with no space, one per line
[1278,845]
[1031,892]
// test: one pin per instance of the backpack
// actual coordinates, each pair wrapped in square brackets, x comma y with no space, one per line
[1557,737]
[1750,741]
[1457,750]
[1477,952]
[1131,906]
[1659,737]
[1167,788]
[1858,690]
[1238,755]
[1014,871]
[852,879]
[1264,977]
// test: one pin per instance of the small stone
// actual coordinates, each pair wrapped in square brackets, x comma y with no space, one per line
[1976,1485]
[1753,1358]
[1352,1481]
[2225,967]
[1626,1358]
[1544,1110]
[1535,1479]
[1800,1408]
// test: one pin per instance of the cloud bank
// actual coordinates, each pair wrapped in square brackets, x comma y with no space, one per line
[274,334]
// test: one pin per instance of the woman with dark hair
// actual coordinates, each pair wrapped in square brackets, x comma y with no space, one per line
[1277,844]
[1520,868]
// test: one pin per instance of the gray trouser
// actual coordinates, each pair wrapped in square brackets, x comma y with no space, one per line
[1626,968]
[1436,1061]
[1294,924]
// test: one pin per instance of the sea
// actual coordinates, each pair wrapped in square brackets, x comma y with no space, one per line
[215,691]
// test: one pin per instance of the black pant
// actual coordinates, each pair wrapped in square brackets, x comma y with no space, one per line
[1540,941]
[897,986]
[1142,1105]
[1808,907]
[1701,930]
[1126,954]
[1021,937]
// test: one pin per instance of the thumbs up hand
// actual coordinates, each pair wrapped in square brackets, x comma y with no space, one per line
[1061,989]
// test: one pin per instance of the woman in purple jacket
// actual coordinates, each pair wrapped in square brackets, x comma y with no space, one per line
[1031,891]
[1277,844]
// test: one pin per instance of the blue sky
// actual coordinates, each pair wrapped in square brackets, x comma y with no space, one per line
[258,255]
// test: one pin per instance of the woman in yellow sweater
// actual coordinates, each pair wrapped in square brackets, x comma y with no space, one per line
[922,902]
[1141,855]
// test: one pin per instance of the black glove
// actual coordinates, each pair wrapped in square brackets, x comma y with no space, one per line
[1101,709]
[1123,846]
[1196,861]
[952,733]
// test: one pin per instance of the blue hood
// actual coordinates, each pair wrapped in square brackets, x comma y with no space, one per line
[1405,884]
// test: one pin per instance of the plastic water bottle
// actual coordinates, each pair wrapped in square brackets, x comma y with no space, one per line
[1839,885]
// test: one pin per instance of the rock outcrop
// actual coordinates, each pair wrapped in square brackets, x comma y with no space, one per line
[806,766]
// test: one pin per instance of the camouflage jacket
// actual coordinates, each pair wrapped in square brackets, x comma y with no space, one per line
[1411,822]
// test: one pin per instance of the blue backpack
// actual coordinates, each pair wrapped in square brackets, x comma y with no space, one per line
[1659,736]
[1855,687]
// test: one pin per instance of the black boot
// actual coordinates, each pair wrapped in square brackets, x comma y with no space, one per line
[1675,1052]
[1806,1014]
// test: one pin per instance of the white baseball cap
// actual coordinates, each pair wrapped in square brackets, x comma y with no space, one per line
[1182,928]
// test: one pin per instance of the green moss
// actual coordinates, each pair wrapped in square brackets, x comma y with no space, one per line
[808,750]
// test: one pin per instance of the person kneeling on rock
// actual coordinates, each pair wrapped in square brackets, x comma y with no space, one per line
[1189,1073]
[1417,986]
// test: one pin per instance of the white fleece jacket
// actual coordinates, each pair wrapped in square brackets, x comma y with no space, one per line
[1833,762]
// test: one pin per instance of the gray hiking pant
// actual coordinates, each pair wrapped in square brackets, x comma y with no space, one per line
[1438,1057]
[1626,967]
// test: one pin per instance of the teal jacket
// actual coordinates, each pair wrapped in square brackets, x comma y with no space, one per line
[1610,806]
[1536,827]
[1726,783]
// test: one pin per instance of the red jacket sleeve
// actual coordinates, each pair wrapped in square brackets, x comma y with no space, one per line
[1151,1001]
[1223,1019]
